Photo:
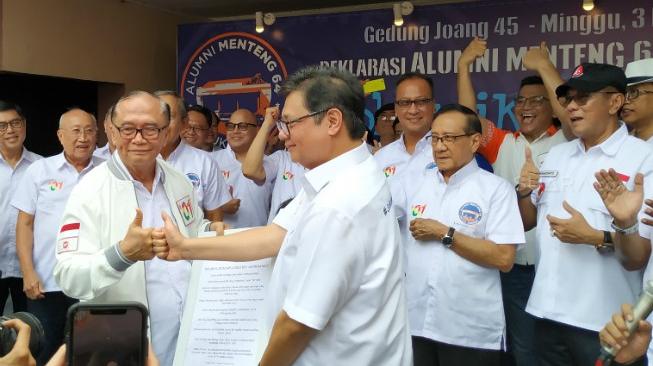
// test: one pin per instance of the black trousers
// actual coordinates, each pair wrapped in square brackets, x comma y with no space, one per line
[13,286]
[52,312]
[427,352]
[558,344]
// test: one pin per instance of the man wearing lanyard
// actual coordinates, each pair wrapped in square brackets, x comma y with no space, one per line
[578,285]
[336,295]
[40,200]
[462,233]
[14,160]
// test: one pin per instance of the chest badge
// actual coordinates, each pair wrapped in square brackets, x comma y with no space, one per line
[389,171]
[470,213]
[194,179]
[185,207]
[54,185]
[417,210]
[288,175]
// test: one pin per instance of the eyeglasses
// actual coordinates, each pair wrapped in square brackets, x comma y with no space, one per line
[634,93]
[77,132]
[197,129]
[581,98]
[148,132]
[242,126]
[14,123]
[419,102]
[535,101]
[387,118]
[284,126]
[447,139]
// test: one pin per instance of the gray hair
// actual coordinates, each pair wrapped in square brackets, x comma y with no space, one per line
[163,106]
[180,102]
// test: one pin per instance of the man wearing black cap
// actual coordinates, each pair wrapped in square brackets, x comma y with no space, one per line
[578,286]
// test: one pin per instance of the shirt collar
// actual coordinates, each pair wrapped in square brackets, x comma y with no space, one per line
[177,151]
[158,174]
[60,162]
[552,130]
[317,178]
[462,173]
[26,155]
[420,143]
[611,145]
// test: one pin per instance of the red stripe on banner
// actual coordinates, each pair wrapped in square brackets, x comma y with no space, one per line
[71,226]
[623,177]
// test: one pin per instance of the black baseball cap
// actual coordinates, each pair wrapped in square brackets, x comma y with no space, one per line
[589,77]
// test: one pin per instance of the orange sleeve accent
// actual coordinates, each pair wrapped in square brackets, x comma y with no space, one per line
[491,141]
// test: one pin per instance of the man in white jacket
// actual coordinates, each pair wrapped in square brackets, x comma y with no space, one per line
[104,254]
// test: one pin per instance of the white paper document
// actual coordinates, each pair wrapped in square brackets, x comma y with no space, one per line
[223,321]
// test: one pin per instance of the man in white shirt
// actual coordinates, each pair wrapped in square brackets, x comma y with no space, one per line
[288,174]
[461,235]
[638,109]
[14,160]
[336,296]
[40,200]
[251,198]
[414,107]
[198,128]
[536,106]
[105,151]
[103,253]
[578,286]
[198,166]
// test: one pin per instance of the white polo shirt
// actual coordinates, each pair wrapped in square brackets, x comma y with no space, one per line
[287,181]
[451,299]
[43,193]
[396,162]
[254,199]
[574,283]
[203,172]
[9,179]
[339,269]
[505,150]
[167,282]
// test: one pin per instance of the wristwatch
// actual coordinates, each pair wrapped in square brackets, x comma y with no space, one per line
[608,245]
[447,240]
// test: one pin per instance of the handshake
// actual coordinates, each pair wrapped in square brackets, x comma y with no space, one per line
[165,242]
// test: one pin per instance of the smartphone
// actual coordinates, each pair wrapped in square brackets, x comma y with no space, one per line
[107,334]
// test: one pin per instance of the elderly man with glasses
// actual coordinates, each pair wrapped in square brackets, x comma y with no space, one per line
[457,241]
[250,205]
[40,199]
[104,244]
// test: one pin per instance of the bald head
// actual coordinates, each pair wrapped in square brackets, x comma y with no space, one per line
[73,115]
[241,130]
[77,134]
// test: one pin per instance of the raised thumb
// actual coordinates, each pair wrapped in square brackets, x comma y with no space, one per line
[138,220]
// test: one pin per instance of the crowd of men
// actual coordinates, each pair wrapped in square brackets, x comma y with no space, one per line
[455,242]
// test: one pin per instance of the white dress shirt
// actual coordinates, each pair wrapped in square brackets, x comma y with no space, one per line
[451,299]
[574,283]
[254,199]
[203,172]
[102,152]
[43,193]
[9,179]
[339,268]
[287,181]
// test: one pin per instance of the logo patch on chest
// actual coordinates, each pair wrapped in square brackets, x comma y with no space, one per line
[194,178]
[389,171]
[225,174]
[54,185]
[417,210]
[470,213]
[288,175]
[185,207]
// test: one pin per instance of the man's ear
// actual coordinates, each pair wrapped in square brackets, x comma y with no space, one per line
[335,121]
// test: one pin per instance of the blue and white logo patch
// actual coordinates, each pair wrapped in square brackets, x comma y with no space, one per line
[470,213]
[194,178]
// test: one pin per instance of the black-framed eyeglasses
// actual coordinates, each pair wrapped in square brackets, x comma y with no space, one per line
[535,101]
[419,102]
[634,93]
[581,98]
[147,132]
[241,126]
[447,139]
[284,126]
[14,123]
[197,129]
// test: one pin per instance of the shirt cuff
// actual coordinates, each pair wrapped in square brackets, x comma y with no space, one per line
[117,260]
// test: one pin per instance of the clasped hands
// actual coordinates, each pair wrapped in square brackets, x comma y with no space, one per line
[143,243]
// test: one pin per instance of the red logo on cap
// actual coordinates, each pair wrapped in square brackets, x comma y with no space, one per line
[578,72]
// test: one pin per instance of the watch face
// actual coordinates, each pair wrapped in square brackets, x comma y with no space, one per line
[447,240]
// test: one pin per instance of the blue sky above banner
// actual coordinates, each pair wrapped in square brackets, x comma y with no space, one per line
[431,40]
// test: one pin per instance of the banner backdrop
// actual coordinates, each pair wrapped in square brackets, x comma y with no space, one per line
[226,65]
